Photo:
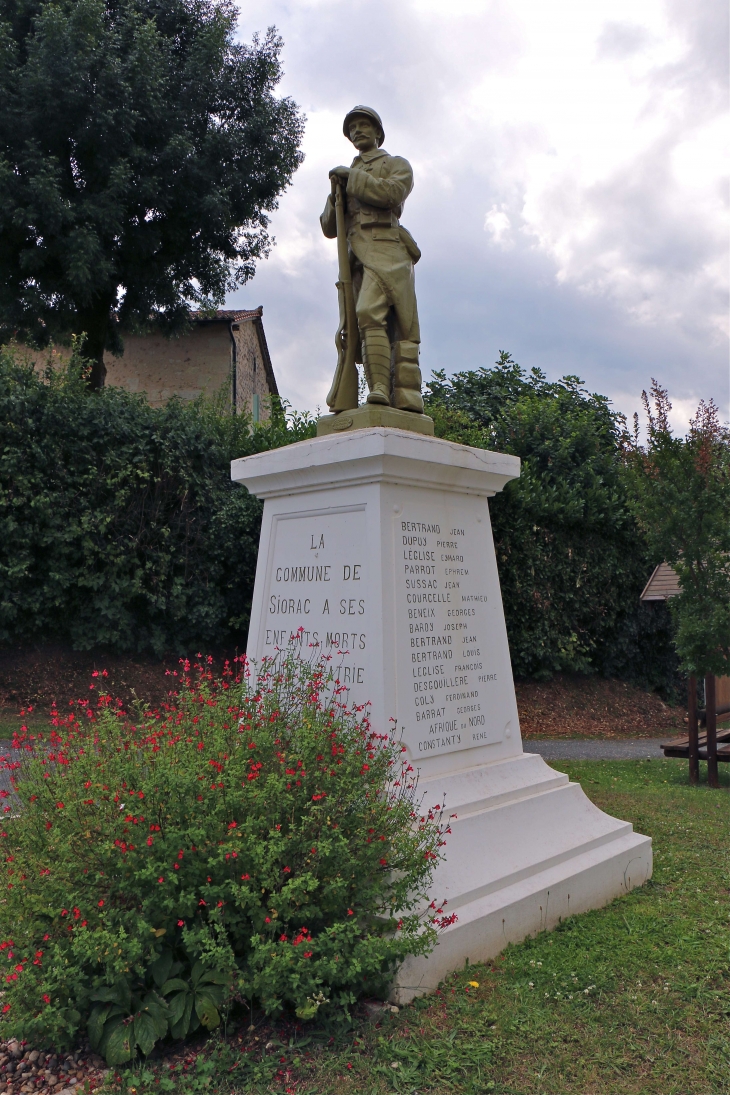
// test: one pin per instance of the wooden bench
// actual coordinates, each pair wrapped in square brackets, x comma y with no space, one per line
[679,747]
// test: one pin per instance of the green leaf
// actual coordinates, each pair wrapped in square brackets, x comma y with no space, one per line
[95,1025]
[196,973]
[160,969]
[182,1027]
[145,1032]
[158,1012]
[176,1007]
[206,1010]
[175,984]
[215,977]
[117,1047]
[116,994]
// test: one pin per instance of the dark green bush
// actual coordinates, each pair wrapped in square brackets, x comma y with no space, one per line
[119,524]
[572,561]
[265,846]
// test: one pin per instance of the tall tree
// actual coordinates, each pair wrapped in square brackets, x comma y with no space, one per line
[681,497]
[572,563]
[141,148]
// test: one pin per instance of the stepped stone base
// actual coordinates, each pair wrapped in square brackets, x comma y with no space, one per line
[372,414]
[527,850]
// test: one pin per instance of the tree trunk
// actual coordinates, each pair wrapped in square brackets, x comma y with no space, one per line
[711,709]
[93,324]
[694,761]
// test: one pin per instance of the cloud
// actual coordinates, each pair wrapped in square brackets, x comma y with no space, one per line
[620,40]
[569,201]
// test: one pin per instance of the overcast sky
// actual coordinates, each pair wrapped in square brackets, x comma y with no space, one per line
[570,198]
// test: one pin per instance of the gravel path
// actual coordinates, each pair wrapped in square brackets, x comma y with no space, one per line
[638,749]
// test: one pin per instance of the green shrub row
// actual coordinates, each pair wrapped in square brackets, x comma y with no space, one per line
[119,524]
[572,559]
[259,844]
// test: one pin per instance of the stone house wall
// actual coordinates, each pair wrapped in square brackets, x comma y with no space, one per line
[223,353]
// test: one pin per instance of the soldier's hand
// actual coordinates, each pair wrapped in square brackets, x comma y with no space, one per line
[342,174]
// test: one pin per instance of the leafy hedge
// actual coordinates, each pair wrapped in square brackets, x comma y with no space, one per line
[119,524]
[571,558]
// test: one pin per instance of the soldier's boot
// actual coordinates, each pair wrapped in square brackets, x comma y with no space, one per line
[376,354]
[407,378]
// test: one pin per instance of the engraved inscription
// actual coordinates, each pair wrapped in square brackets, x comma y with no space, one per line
[317,600]
[450,661]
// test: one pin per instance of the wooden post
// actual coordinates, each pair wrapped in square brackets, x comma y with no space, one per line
[694,760]
[711,714]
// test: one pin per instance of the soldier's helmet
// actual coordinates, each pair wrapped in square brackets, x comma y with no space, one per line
[369,113]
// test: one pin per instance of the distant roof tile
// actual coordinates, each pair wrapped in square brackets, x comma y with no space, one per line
[228,315]
[663,583]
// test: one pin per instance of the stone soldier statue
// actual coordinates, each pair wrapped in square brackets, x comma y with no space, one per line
[381,255]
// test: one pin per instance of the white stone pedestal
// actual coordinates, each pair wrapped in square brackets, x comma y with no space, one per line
[378,543]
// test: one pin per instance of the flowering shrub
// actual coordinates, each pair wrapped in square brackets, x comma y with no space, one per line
[261,844]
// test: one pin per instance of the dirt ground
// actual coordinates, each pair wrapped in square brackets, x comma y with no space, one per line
[589,707]
[42,675]
[565,707]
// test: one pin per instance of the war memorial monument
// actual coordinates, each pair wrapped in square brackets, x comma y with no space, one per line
[376,541]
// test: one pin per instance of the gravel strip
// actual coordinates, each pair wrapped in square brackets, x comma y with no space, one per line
[638,749]
[24,1070]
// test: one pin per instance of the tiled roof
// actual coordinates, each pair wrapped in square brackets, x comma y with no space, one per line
[663,583]
[229,316]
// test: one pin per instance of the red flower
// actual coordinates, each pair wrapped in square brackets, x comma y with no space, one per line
[160,879]
[59,806]
[350,912]
[6,1008]
[46,999]
[100,903]
[181,923]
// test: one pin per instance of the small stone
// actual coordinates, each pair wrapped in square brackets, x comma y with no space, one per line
[33,1056]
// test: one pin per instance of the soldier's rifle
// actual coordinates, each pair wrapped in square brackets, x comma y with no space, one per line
[343,394]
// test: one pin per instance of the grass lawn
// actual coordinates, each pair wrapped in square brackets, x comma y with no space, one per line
[630,999]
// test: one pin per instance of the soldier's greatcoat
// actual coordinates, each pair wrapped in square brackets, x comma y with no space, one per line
[382,252]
